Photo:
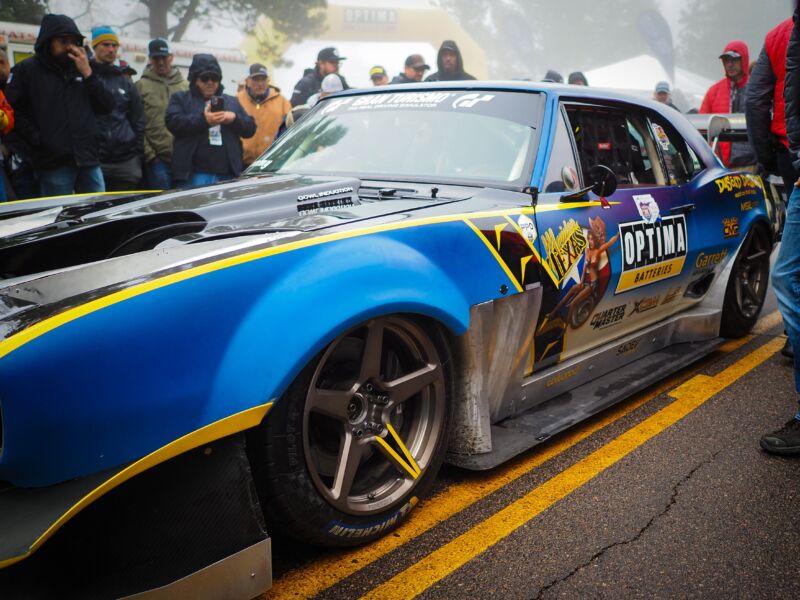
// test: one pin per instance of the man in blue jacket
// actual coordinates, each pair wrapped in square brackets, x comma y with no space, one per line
[208,126]
[56,98]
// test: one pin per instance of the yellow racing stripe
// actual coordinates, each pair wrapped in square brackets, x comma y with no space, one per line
[316,577]
[34,331]
[446,559]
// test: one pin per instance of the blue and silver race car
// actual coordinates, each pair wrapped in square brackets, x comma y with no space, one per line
[411,275]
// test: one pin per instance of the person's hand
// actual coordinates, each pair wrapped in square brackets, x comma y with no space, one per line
[78,56]
[229,118]
[214,118]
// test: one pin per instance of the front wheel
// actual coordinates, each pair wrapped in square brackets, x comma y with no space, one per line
[747,286]
[358,437]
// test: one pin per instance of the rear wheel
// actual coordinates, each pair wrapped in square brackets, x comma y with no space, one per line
[358,437]
[747,286]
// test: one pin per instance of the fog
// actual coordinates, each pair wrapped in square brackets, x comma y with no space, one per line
[628,44]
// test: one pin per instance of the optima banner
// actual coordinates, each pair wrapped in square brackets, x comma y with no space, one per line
[651,251]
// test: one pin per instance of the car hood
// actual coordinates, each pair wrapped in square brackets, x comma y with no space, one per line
[58,254]
[63,236]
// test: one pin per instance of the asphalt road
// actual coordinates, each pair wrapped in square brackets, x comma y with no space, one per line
[665,495]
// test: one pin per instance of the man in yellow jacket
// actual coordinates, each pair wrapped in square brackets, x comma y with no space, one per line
[265,104]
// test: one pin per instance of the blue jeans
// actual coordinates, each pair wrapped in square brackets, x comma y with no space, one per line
[202,179]
[64,181]
[786,278]
[3,196]
[158,174]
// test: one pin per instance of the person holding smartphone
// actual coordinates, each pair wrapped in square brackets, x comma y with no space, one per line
[207,125]
[57,98]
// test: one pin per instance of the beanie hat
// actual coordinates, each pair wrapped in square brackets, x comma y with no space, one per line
[104,33]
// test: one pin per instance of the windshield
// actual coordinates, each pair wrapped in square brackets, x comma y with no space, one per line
[430,136]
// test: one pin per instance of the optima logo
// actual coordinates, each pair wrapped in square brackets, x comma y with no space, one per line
[652,251]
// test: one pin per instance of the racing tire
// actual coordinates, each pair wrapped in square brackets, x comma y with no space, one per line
[358,437]
[747,285]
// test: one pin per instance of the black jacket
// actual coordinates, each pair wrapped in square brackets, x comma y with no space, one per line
[459,74]
[185,119]
[121,132]
[310,84]
[760,98]
[791,92]
[402,79]
[56,109]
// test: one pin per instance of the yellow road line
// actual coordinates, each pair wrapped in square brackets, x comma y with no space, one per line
[405,450]
[395,457]
[312,579]
[451,556]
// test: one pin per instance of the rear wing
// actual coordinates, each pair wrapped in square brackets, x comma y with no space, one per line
[720,128]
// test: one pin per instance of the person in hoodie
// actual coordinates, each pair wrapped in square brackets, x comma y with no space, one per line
[121,140]
[159,81]
[450,63]
[208,144]
[729,95]
[265,104]
[57,97]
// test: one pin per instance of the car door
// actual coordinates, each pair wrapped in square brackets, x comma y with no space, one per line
[614,264]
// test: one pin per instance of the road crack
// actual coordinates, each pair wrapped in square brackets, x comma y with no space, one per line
[670,503]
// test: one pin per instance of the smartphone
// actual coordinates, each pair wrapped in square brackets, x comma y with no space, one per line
[217,104]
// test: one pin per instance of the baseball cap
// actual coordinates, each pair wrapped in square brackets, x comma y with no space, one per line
[415,61]
[158,47]
[662,86]
[257,69]
[332,83]
[730,54]
[329,55]
[377,71]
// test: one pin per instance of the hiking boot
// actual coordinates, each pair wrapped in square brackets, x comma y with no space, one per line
[787,350]
[785,441]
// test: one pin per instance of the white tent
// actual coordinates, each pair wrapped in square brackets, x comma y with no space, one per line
[640,74]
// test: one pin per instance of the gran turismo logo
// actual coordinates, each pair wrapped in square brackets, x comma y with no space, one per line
[470,100]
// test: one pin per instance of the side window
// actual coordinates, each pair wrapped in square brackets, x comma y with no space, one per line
[562,157]
[680,161]
[619,140]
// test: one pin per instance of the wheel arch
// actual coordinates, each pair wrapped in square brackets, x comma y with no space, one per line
[275,340]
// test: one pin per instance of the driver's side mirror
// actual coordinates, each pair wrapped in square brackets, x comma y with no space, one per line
[602,182]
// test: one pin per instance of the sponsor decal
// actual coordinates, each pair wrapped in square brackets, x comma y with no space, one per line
[645,304]
[730,227]
[348,531]
[648,208]
[737,183]
[564,249]
[661,136]
[706,261]
[528,228]
[604,146]
[652,251]
[323,206]
[562,377]
[628,348]
[325,194]
[748,205]
[671,294]
[607,318]
[470,100]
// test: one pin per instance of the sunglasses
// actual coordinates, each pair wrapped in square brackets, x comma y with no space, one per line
[207,78]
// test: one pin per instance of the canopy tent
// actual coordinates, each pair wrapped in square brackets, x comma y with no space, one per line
[640,74]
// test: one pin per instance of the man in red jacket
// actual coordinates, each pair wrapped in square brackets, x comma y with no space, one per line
[729,96]
[6,125]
